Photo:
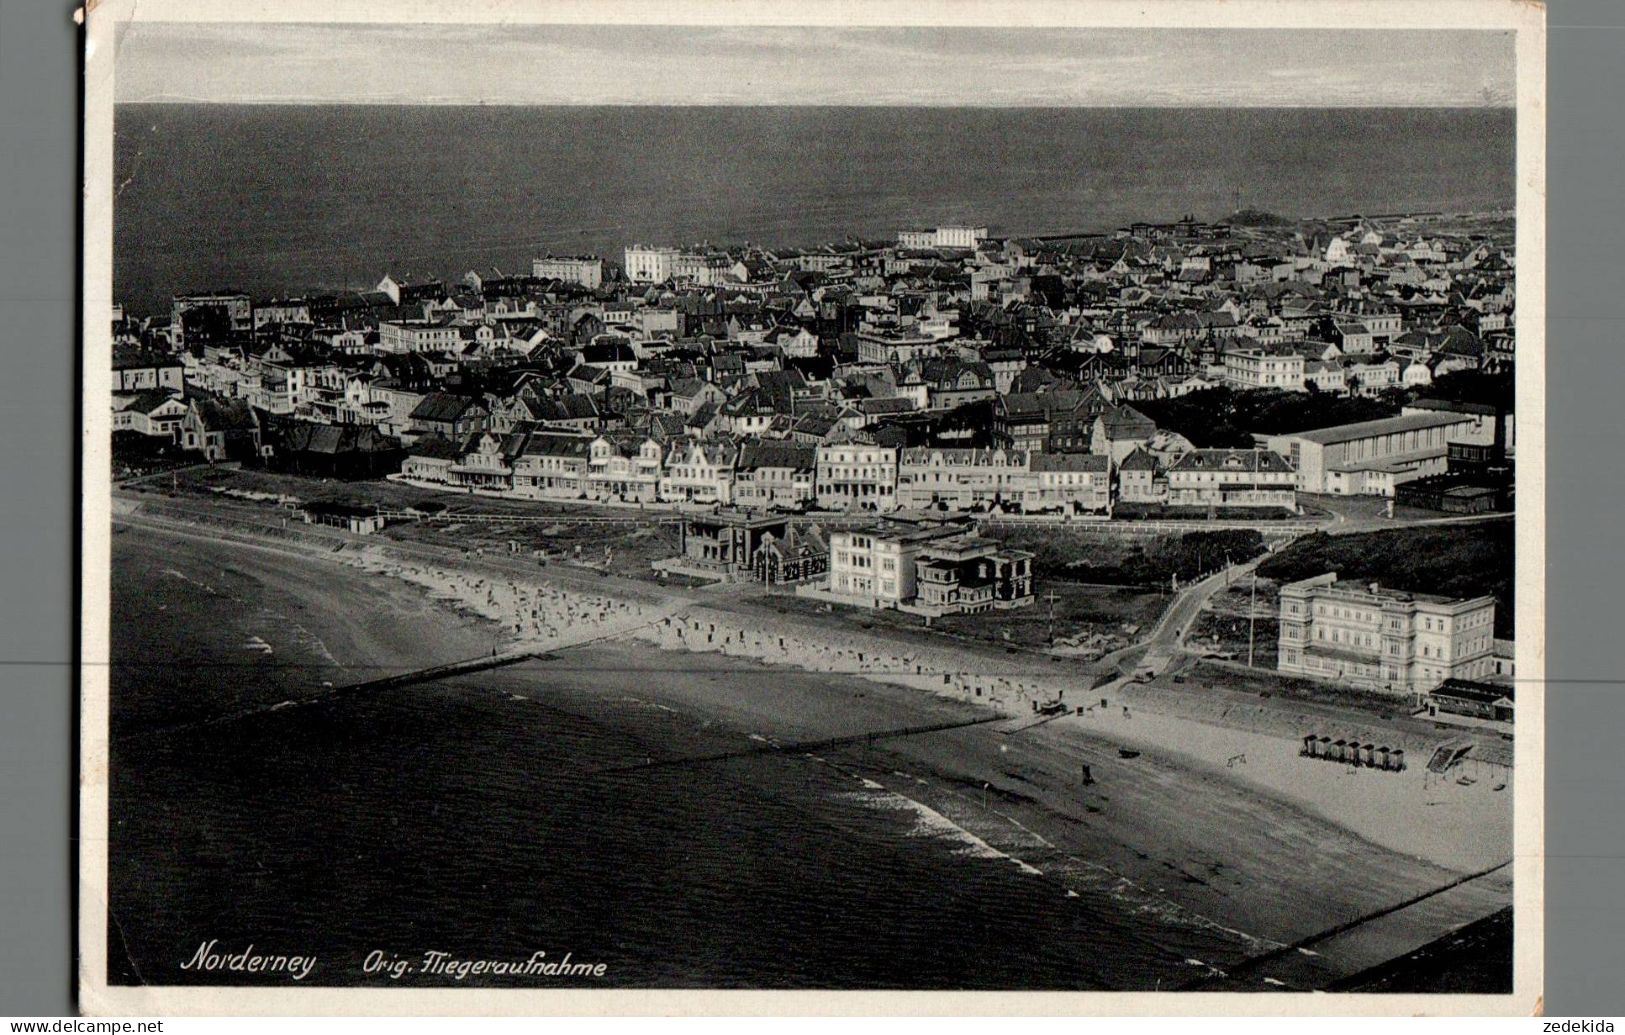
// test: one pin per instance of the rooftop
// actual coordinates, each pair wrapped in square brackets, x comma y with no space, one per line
[1384,426]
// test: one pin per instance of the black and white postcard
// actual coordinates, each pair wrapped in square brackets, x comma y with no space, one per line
[713,507]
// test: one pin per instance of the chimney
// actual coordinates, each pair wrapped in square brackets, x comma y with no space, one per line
[1375,588]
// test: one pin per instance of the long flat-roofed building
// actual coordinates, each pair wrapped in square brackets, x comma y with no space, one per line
[1381,639]
[1371,457]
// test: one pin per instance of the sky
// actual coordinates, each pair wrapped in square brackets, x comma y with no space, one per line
[181,62]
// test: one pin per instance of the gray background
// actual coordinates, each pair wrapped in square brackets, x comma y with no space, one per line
[1585,911]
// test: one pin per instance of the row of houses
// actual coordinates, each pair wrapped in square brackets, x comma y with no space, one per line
[550,464]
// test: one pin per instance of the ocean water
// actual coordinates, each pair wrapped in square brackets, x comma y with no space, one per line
[476,817]
[272,199]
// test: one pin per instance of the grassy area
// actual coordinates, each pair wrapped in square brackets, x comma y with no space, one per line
[1102,556]
[1228,633]
[1266,682]
[1093,620]
[1456,560]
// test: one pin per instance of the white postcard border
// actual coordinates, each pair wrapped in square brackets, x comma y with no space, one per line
[104,26]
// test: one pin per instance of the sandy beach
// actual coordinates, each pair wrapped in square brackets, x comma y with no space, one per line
[1216,822]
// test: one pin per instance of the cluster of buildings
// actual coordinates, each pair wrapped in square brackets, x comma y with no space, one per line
[945,370]
[927,566]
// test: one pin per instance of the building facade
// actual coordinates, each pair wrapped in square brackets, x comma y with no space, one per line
[1256,368]
[1069,482]
[586,270]
[1232,478]
[960,479]
[1371,457]
[855,476]
[927,569]
[1381,639]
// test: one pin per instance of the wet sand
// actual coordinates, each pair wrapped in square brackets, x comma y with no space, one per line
[1270,854]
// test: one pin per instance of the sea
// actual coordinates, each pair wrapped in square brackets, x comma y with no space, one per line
[290,199]
[492,816]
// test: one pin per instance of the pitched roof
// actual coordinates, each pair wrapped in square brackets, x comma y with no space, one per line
[1096,463]
[442,406]
[1139,460]
[1127,422]
[1261,461]
[435,447]
[336,438]
[554,443]
[777,453]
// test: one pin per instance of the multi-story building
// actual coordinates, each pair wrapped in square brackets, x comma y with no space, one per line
[960,479]
[485,466]
[1371,457]
[931,569]
[289,310]
[1257,368]
[1232,478]
[856,476]
[1059,421]
[209,319]
[1069,482]
[1141,478]
[452,416]
[699,472]
[960,236]
[623,468]
[951,236]
[552,465]
[1383,639]
[136,369]
[1119,431]
[723,543]
[875,565]
[881,346]
[153,412]
[966,574]
[1326,375]
[702,268]
[775,475]
[586,270]
[1372,378]
[418,336]
[646,265]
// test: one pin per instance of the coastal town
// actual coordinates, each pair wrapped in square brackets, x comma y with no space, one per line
[875,422]
[1232,499]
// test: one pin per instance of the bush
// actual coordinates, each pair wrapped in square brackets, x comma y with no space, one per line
[1218,418]
[1189,556]
[1461,560]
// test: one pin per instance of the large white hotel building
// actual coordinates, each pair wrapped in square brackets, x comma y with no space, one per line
[1382,639]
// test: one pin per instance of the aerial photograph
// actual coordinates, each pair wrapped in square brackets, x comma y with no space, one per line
[755,507]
